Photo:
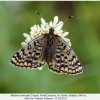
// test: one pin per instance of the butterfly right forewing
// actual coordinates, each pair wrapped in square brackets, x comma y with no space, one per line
[32,54]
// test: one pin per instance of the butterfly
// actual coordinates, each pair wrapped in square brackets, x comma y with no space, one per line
[48,49]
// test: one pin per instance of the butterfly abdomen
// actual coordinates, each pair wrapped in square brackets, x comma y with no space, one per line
[49,49]
[48,52]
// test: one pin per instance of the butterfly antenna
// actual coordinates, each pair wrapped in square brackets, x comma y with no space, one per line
[68,18]
[39,14]
[65,20]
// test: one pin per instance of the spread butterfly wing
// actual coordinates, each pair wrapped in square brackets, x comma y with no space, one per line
[64,59]
[31,55]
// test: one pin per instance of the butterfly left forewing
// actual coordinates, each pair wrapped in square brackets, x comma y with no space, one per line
[64,59]
[31,55]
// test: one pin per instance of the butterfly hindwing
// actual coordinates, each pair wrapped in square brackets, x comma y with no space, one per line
[64,59]
[31,55]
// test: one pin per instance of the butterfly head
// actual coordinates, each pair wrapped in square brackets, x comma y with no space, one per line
[51,30]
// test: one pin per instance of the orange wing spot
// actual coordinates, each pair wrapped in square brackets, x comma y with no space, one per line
[77,69]
[53,67]
[74,60]
[29,64]
[62,68]
[21,64]
[15,61]
[66,69]
[42,62]
[20,53]
[49,63]
[73,71]
[70,71]
[25,63]
[24,57]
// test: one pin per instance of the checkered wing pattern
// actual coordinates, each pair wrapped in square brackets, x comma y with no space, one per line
[64,59]
[31,55]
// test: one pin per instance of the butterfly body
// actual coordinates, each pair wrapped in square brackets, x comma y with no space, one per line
[50,44]
[51,49]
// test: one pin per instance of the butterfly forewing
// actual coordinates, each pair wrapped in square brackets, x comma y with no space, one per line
[32,54]
[64,59]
